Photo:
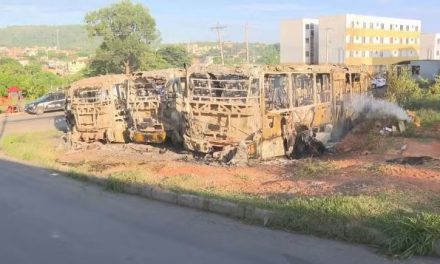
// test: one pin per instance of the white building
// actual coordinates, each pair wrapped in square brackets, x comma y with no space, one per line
[357,39]
[430,46]
[299,41]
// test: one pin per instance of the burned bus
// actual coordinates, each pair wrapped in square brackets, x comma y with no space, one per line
[96,109]
[303,104]
[222,108]
[154,105]
[271,110]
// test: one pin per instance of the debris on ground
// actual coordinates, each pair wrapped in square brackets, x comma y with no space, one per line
[306,145]
[412,160]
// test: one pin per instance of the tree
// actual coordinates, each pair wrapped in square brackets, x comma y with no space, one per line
[270,54]
[402,88]
[174,55]
[151,60]
[30,78]
[127,29]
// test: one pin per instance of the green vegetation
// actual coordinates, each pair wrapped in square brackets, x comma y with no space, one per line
[167,56]
[127,30]
[70,37]
[31,78]
[425,100]
[415,234]
[401,224]
[37,147]
[402,88]
[312,169]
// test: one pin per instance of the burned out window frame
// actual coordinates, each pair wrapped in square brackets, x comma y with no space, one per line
[298,88]
[276,97]
[323,91]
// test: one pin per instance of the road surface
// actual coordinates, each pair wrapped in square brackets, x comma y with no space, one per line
[48,218]
[23,122]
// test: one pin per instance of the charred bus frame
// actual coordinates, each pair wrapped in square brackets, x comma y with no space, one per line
[266,108]
[154,103]
[96,109]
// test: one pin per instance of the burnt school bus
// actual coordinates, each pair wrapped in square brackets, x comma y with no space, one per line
[96,109]
[266,109]
[154,105]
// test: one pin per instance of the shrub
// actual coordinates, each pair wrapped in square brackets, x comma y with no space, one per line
[402,88]
[435,88]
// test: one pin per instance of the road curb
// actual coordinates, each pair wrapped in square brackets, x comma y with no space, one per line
[247,212]
[217,206]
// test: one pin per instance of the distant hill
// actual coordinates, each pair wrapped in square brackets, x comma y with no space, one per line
[70,37]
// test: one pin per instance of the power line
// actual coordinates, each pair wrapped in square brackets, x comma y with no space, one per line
[219,28]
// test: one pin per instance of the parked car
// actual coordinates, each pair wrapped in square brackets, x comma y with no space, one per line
[47,103]
[378,82]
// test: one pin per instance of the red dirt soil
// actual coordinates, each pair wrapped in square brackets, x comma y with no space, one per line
[360,169]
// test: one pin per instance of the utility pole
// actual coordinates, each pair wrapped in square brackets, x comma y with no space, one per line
[219,28]
[246,41]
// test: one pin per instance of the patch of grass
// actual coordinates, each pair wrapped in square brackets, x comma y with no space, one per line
[427,108]
[77,175]
[428,117]
[114,184]
[184,181]
[38,147]
[414,235]
[312,169]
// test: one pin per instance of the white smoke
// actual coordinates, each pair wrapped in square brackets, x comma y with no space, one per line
[373,108]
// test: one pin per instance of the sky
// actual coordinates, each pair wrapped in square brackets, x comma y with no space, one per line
[190,20]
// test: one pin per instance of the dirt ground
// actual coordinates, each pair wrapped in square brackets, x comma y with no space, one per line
[358,166]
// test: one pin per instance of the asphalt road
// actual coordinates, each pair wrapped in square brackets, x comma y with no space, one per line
[23,122]
[48,218]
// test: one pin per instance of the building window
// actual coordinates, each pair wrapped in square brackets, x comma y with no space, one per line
[364,40]
[307,26]
[415,70]
[381,40]
[438,41]
[312,26]
[407,28]
[352,24]
[438,52]
[363,53]
[401,27]
[307,40]
[381,53]
[391,40]
[382,26]
[417,28]
[364,25]
[307,54]
[371,25]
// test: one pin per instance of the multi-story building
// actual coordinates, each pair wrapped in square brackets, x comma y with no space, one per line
[357,39]
[430,46]
[299,41]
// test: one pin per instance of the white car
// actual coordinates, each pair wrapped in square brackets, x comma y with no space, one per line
[378,82]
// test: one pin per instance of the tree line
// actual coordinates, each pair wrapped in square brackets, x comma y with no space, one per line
[30,78]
